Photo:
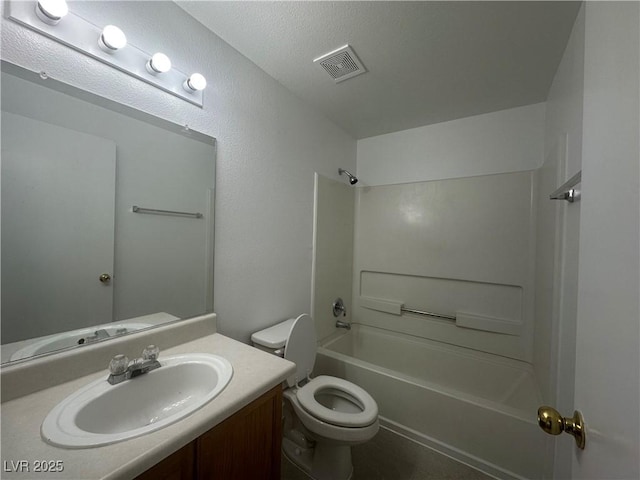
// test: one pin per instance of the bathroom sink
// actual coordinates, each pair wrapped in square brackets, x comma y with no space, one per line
[101,414]
[75,337]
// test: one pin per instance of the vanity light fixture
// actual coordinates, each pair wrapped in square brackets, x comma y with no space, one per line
[195,83]
[51,11]
[112,39]
[158,63]
[107,45]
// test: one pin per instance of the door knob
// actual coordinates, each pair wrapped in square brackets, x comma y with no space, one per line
[553,423]
[105,278]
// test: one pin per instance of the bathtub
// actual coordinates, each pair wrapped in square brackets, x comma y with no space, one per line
[473,406]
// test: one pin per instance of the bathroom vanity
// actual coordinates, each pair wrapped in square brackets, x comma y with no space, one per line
[235,435]
[244,446]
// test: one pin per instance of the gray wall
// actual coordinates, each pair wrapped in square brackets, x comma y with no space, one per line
[269,145]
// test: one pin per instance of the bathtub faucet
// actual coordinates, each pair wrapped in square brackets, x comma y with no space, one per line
[341,324]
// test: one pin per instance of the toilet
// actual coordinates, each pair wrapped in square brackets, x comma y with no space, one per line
[323,416]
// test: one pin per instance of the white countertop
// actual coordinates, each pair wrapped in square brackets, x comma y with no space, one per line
[254,373]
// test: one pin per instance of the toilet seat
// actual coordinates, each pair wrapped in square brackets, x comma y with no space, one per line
[307,398]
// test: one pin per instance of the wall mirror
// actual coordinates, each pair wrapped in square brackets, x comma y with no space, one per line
[107,218]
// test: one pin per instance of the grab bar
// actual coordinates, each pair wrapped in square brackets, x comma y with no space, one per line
[566,190]
[137,209]
[428,314]
[472,321]
[396,308]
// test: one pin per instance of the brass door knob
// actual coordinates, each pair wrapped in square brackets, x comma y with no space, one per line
[553,423]
[105,278]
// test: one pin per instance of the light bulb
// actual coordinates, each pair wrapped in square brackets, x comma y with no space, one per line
[112,39]
[195,83]
[158,63]
[51,11]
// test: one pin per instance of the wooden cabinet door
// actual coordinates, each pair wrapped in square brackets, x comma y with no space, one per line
[177,466]
[246,445]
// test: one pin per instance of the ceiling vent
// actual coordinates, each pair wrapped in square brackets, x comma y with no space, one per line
[341,64]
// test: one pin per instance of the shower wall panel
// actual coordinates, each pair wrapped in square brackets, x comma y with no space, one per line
[462,247]
[333,251]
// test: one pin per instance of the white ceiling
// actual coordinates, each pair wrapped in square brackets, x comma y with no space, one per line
[427,62]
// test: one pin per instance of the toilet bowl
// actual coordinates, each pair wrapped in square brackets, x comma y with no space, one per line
[323,416]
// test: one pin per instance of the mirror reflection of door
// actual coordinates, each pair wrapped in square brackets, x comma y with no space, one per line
[58,198]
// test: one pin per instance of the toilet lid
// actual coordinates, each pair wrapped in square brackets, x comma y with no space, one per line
[275,336]
[301,348]
[307,398]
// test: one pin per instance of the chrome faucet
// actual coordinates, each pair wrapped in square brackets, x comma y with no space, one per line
[340,309]
[122,369]
[97,335]
[341,324]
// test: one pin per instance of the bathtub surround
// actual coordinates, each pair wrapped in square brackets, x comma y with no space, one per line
[269,145]
[461,247]
[334,208]
[465,228]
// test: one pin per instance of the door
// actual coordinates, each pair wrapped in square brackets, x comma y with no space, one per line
[607,389]
[58,193]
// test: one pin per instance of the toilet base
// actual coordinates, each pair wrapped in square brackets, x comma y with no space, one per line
[322,461]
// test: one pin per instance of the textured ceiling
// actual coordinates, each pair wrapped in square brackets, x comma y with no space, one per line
[427,62]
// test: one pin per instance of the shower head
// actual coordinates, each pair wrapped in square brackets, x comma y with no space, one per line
[352,178]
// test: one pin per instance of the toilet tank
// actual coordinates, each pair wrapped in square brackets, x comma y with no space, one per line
[273,339]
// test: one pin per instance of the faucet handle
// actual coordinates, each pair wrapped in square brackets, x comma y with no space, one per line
[151,353]
[339,308]
[118,364]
